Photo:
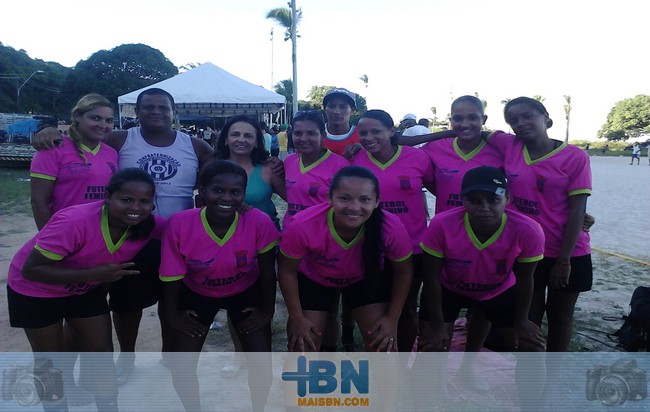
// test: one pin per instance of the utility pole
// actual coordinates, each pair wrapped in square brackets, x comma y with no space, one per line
[21,86]
[292,4]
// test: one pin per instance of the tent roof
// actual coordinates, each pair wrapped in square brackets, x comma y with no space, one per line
[211,91]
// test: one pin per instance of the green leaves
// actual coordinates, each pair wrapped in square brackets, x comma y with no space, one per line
[628,118]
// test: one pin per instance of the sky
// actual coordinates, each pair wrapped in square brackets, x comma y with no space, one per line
[416,53]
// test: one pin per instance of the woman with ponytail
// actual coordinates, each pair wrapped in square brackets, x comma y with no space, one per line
[79,168]
[339,247]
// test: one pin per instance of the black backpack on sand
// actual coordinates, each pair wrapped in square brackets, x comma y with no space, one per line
[634,335]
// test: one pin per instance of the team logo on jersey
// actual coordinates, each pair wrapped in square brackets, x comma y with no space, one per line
[540,182]
[160,166]
[404,182]
[313,189]
[240,257]
[78,168]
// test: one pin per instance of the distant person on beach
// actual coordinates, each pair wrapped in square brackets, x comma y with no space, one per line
[57,276]
[604,149]
[636,154]
[218,257]
[339,247]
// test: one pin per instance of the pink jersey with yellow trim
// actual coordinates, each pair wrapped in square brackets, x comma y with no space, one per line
[75,237]
[212,266]
[326,258]
[400,187]
[75,182]
[450,165]
[309,186]
[479,270]
[541,188]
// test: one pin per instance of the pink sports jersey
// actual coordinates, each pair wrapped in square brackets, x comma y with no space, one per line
[541,188]
[76,182]
[450,165]
[209,265]
[326,258]
[478,270]
[400,187]
[76,237]
[309,186]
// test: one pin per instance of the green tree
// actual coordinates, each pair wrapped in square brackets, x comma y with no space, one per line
[285,88]
[118,71]
[567,113]
[539,98]
[42,94]
[628,118]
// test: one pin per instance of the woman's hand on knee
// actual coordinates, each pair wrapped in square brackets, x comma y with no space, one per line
[528,337]
[385,335]
[301,331]
[186,322]
[257,318]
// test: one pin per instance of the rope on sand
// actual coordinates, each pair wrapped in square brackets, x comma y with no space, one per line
[618,255]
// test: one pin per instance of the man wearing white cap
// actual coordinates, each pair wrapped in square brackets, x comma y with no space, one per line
[409,126]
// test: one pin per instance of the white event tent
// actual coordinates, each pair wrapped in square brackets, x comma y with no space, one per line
[209,90]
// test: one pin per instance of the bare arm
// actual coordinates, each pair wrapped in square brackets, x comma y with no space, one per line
[424,138]
[277,181]
[386,327]
[41,193]
[525,329]
[438,339]
[41,269]
[299,327]
[559,276]
[260,316]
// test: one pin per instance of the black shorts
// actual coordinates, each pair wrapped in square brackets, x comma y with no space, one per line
[33,312]
[580,280]
[207,307]
[314,296]
[500,310]
[142,290]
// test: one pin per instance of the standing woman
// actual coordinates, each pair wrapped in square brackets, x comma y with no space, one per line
[218,258]
[401,171]
[309,172]
[56,275]
[339,247]
[78,169]
[550,182]
[241,141]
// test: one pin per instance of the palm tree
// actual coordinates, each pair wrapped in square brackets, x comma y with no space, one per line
[289,19]
[285,88]
[567,112]
[539,98]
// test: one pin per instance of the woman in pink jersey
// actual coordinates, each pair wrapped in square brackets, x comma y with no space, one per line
[483,256]
[339,247]
[309,172]
[56,275]
[213,258]
[401,171]
[241,140]
[550,182]
[79,168]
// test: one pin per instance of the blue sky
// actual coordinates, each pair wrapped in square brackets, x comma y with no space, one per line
[417,54]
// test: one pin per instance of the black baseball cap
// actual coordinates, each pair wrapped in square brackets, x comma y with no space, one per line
[485,178]
[341,92]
